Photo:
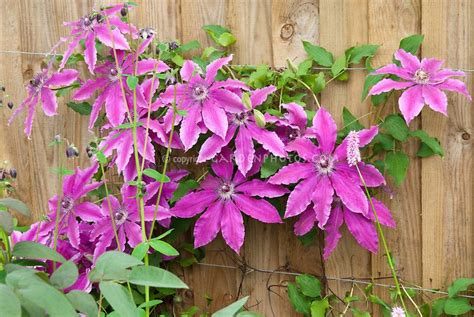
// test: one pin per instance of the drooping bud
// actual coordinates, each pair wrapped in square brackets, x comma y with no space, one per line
[13,173]
[124,10]
[2,88]
[10,105]
[246,101]
[173,45]
[353,152]
[72,151]
[99,18]
[259,118]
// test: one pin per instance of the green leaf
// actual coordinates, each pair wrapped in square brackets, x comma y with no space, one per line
[113,265]
[370,81]
[377,300]
[119,298]
[65,275]
[16,205]
[155,277]
[132,82]
[424,151]
[9,304]
[412,43]
[359,52]
[191,45]
[318,307]
[226,39]
[6,222]
[219,34]
[396,127]
[128,125]
[299,302]
[232,309]
[156,175]
[396,164]
[431,142]
[309,285]
[339,65]
[183,188]
[437,307]
[318,54]
[151,303]
[350,121]
[271,165]
[460,285]
[83,108]
[248,314]
[141,250]
[33,250]
[304,67]
[319,83]
[457,306]
[83,303]
[359,313]
[101,157]
[163,247]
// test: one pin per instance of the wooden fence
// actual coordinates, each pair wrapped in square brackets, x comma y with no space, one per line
[433,243]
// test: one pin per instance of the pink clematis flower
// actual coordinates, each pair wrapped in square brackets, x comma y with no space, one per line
[41,87]
[222,198]
[111,81]
[425,81]
[205,100]
[293,123]
[94,26]
[247,130]
[75,187]
[127,221]
[325,173]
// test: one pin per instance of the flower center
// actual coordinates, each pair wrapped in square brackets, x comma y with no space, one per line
[199,93]
[120,216]
[36,83]
[113,72]
[66,204]
[226,190]
[324,164]
[293,134]
[146,33]
[241,118]
[421,77]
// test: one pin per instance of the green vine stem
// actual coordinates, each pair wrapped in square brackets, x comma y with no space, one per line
[384,242]
[58,206]
[112,220]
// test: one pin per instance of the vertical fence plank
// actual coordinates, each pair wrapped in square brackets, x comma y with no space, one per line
[448,184]
[344,24]
[401,19]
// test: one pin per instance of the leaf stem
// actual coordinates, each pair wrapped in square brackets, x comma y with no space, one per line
[107,198]
[58,206]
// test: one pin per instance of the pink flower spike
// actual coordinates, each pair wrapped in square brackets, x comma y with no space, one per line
[424,81]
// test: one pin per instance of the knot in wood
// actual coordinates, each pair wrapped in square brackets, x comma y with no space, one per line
[466,136]
[287,31]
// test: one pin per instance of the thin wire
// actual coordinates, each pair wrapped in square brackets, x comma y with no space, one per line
[315,68]
[346,280]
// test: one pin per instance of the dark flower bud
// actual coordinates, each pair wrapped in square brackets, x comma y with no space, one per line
[13,173]
[10,105]
[146,33]
[99,18]
[170,80]
[124,10]
[90,154]
[2,88]
[173,45]
[72,151]
[1,102]
[113,72]
[57,138]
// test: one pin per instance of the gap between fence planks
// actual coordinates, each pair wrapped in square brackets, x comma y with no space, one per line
[433,208]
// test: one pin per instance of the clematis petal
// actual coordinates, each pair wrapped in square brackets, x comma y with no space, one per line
[133,232]
[326,130]
[232,226]
[73,231]
[332,231]
[213,145]
[189,132]
[268,139]
[304,147]
[456,86]
[261,188]
[227,100]
[300,197]
[362,229]
[124,150]
[383,213]
[260,95]
[388,84]
[408,60]
[365,137]
[63,78]
[259,209]
[305,222]
[223,165]
[296,115]
[112,38]
[411,102]
[444,74]
[244,150]
[393,69]
[151,65]
[70,49]
[215,118]
[88,211]
[189,70]
[48,99]
[90,53]
[230,83]
[431,65]
[96,107]
[435,99]
[89,88]
[292,173]
[208,225]
[193,203]
[213,68]
[350,193]
[114,105]
[322,199]
[30,115]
